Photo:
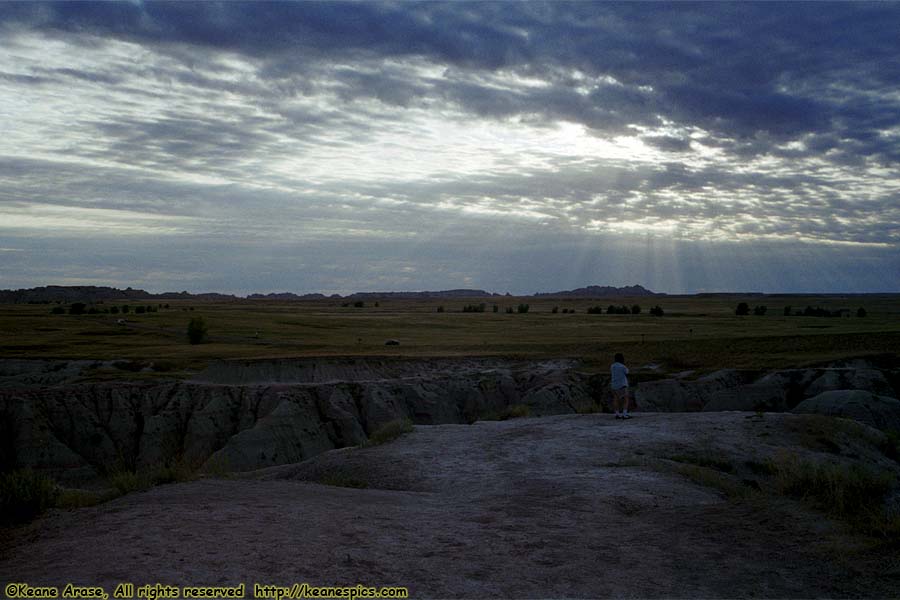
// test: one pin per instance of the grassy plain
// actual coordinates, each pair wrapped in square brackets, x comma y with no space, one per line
[696,332]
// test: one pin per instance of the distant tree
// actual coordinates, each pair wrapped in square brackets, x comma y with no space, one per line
[440,309]
[359,304]
[509,310]
[496,308]
[77,308]
[759,310]
[787,311]
[554,310]
[742,309]
[139,310]
[114,310]
[126,309]
[522,308]
[635,310]
[58,310]
[861,312]
[610,310]
[197,330]
[595,310]
[377,305]
[93,311]
[166,305]
[657,311]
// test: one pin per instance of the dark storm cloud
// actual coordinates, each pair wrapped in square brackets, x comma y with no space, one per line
[736,70]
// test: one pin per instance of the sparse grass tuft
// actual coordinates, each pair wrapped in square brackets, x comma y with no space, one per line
[713,478]
[513,411]
[850,492]
[24,495]
[125,481]
[389,432]
[217,466]
[74,498]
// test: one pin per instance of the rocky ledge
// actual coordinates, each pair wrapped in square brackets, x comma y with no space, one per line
[244,415]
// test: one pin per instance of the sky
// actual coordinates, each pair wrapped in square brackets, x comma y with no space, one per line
[508,146]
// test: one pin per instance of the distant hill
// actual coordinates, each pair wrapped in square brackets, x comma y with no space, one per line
[601,291]
[286,296]
[90,293]
[438,294]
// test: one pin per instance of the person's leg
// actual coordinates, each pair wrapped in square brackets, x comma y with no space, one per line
[617,402]
[625,398]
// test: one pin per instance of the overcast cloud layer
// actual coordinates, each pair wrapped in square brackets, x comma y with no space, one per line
[523,147]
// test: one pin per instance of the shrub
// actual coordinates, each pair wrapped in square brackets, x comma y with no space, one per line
[359,304]
[128,481]
[509,310]
[139,310]
[24,495]
[496,308]
[126,309]
[742,309]
[514,411]
[78,308]
[440,309]
[635,309]
[554,310]
[787,311]
[522,308]
[58,310]
[759,310]
[861,312]
[474,308]
[595,310]
[657,311]
[197,330]
[389,432]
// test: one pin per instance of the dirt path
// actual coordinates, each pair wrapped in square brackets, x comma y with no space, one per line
[534,508]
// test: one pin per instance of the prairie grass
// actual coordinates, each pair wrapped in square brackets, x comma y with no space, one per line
[25,494]
[697,332]
[850,492]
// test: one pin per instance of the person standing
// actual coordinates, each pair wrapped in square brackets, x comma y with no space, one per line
[619,385]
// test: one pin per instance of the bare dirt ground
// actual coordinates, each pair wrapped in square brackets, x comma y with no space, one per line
[553,507]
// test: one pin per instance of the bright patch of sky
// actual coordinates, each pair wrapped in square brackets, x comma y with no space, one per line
[345,147]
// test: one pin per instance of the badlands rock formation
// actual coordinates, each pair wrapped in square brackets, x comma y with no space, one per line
[243,415]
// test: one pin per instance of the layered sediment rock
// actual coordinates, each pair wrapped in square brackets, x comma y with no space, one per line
[249,414]
[243,415]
